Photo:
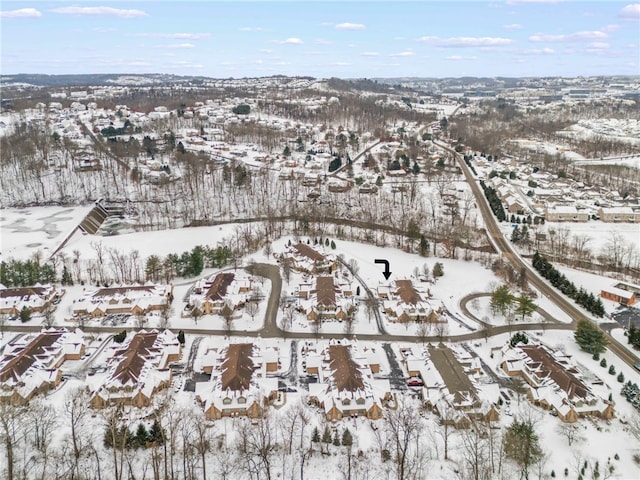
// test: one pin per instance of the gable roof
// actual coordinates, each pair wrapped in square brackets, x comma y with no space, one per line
[17,365]
[310,253]
[111,291]
[21,292]
[346,373]
[237,367]
[452,373]
[407,293]
[134,357]
[325,291]
[218,288]
[544,365]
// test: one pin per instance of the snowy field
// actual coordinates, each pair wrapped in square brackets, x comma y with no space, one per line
[25,231]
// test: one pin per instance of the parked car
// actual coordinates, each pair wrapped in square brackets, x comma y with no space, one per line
[415,382]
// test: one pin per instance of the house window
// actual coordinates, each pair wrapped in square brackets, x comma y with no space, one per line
[242,400]
[360,401]
[226,401]
[346,401]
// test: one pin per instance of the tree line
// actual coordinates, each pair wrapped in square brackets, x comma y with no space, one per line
[561,282]
[19,273]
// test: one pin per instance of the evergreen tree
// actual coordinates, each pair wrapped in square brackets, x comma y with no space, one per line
[316,435]
[333,245]
[589,337]
[66,277]
[119,337]
[424,246]
[347,439]
[326,435]
[141,437]
[438,270]
[25,314]
[156,433]
[181,337]
[522,445]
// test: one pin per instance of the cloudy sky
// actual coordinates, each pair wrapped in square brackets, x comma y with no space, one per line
[322,39]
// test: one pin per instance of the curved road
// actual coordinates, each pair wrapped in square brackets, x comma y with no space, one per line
[503,246]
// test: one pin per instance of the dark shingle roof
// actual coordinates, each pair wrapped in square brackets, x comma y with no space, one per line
[325,291]
[237,367]
[218,288]
[452,373]
[549,367]
[21,292]
[134,357]
[310,253]
[406,292]
[111,291]
[346,374]
[16,365]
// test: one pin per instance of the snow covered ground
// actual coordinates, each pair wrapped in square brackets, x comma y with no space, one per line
[601,441]
[24,231]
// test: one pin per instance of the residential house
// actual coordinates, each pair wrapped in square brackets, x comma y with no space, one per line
[130,299]
[35,298]
[565,213]
[305,258]
[619,214]
[243,381]
[222,290]
[449,384]
[327,298]
[405,303]
[555,382]
[345,386]
[30,364]
[137,370]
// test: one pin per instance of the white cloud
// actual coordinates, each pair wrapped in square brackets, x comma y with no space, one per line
[611,28]
[369,54]
[181,45]
[631,12]
[406,53]
[572,37]
[598,45]
[21,13]
[458,58]
[350,26]
[106,11]
[466,41]
[539,51]
[512,26]
[291,41]
[175,36]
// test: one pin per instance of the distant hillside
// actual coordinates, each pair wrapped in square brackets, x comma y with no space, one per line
[41,80]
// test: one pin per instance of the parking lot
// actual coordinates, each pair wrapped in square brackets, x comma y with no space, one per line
[627,316]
